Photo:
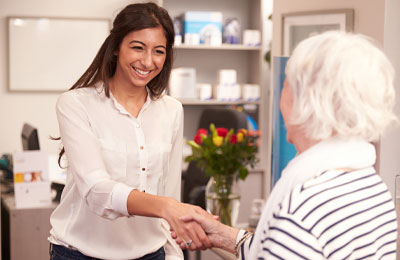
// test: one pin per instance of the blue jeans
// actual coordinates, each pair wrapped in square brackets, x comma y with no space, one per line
[63,253]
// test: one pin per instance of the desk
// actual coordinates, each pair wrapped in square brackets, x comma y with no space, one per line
[24,231]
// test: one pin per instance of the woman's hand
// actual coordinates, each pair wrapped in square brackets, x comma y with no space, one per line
[144,204]
[187,231]
[220,235]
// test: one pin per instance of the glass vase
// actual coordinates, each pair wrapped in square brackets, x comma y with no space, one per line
[223,198]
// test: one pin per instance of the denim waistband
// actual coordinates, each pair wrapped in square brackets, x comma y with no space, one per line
[58,252]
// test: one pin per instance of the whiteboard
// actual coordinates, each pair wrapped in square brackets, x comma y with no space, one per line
[50,54]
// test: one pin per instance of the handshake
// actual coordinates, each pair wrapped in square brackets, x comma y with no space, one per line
[194,228]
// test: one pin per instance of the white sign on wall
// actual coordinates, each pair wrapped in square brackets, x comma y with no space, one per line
[50,54]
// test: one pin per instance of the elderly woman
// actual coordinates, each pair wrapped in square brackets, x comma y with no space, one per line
[330,203]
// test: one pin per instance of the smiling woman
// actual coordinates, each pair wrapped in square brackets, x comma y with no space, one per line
[141,58]
[121,161]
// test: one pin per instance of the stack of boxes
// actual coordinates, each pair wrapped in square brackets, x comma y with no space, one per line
[183,85]
[227,88]
[194,28]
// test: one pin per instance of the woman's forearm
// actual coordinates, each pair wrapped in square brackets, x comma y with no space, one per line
[139,204]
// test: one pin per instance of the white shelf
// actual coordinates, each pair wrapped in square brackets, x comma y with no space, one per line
[239,47]
[216,102]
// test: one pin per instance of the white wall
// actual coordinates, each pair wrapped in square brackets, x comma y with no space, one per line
[379,20]
[390,143]
[368,15]
[38,108]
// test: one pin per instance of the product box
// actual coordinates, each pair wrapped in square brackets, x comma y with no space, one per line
[227,92]
[251,38]
[204,91]
[182,83]
[227,76]
[203,27]
[251,92]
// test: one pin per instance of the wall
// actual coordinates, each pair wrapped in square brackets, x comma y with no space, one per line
[38,108]
[379,20]
[390,143]
[368,16]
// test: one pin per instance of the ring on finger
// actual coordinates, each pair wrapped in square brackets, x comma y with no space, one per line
[188,243]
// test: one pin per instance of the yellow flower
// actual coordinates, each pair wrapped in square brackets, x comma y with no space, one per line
[243,131]
[240,137]
[217,140]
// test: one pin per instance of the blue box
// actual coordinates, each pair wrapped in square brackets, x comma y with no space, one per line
[203,27]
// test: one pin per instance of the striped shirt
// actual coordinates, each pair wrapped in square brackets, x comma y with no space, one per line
[336,215]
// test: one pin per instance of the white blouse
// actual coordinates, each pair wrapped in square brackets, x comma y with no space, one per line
[109,154]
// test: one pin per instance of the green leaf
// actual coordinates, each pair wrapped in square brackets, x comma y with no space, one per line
[193,144]
[228,136]
[243,173]
[213,130]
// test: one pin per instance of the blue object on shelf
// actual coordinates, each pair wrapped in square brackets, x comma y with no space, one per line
[251,123]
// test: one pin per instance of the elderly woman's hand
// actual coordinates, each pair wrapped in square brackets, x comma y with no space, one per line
[190,233]
[220,235]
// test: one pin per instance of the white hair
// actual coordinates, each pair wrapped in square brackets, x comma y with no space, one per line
[342,85]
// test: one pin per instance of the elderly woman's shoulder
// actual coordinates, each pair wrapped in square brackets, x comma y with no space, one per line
[330,189]
[338,214]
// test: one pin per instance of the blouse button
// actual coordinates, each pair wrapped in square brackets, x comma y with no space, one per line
[143,169]
[137,126]
[141,147]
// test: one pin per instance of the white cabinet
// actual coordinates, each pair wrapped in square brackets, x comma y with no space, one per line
[24,231]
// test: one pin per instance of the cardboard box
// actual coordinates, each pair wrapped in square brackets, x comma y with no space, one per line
[182,83]
[203,28]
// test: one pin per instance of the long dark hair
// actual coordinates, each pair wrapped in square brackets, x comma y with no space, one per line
[133,17]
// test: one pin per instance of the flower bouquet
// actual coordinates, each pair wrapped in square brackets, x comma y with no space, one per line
[224,155]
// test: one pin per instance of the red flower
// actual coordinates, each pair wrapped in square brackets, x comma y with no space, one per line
[233,139]
[222,131]
[197,139]
[202,131]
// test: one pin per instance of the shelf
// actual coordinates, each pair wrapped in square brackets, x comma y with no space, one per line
[239,47]
[216,102]
[249,63]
